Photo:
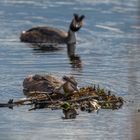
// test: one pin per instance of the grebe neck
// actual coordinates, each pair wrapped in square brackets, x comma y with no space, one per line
[71,37]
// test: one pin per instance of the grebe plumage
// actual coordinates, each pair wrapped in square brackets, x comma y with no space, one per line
[52,35]
[49,84]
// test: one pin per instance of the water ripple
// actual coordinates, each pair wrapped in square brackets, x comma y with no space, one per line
[108,50]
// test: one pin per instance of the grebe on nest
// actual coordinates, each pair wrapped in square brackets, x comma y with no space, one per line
[49,84]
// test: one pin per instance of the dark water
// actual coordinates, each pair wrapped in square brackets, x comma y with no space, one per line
[109,50]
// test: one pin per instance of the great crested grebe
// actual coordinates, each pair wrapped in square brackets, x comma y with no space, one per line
[49,84]
[52,35]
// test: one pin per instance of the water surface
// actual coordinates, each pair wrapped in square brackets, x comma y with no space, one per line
[108,47]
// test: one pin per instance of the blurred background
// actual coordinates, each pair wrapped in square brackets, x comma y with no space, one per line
[109,55]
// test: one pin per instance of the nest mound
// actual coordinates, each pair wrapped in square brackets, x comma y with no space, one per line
[89,98]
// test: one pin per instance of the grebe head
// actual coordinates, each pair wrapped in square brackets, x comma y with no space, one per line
[77,22]
[70,85]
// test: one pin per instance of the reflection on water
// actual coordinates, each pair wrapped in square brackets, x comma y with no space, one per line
[75,59]
[106,53]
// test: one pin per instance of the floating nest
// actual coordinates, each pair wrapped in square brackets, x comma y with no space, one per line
[89,99]
[105,98]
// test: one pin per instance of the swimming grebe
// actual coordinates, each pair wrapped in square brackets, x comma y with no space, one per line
[53,35]
[49,84]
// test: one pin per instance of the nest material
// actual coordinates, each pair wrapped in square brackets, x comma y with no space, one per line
[104,98]
[87,99]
